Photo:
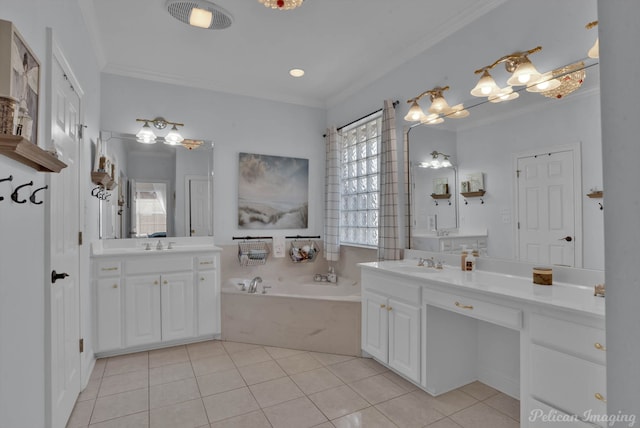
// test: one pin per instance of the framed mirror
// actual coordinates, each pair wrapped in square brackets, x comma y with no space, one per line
[161,190]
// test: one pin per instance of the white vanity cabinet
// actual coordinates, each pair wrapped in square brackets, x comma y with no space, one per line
[391,323]
[157,299]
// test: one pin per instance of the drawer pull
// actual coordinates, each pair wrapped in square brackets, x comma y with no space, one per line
[600,397]
[599,346]
[165,282]
[155,282]
[206,263]
[461,306]
[383,306]
[110,268]
[202,278]
[114,286]
[389,308]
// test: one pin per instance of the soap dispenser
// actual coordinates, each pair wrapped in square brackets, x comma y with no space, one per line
[470,262]
[463,258]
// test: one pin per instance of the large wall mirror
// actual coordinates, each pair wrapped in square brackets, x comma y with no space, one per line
[161,191]
[519,148]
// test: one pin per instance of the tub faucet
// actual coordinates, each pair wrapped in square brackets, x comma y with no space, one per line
[253,285]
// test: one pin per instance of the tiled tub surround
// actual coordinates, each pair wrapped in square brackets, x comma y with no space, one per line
[226,384]
[445,328]
[295,313]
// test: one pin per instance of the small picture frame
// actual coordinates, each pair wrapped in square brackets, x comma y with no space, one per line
[476,181]
[432,222]
[440,186]
[464,187]
[20,80]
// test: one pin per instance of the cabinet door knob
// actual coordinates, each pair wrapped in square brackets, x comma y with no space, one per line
[155,282]
[600,397]
[389,308]
[599,346]
[383,306]
[165,282]
[461,306]
[202,278]
[114,286]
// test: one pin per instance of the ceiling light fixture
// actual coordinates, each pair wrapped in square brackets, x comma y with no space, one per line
[594,52]
[571,77]
[438,110]
[281,4]
[147,136]
[296,72]
[200,13]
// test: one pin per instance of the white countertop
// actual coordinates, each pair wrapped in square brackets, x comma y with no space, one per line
[578,298]
[136,247]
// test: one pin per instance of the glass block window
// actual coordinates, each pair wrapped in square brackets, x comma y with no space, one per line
[359,191]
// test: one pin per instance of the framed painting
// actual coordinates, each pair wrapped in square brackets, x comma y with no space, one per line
[20,80]
[273,192]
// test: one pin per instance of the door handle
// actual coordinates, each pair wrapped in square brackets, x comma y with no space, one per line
[56,276]
[566,238]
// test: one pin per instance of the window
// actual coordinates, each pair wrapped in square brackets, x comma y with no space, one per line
[359,181]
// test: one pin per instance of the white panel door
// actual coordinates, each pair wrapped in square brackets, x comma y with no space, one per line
[546,209]
[404,339]
[63,228]
[198,214]
[178,303]
[142,310]
[375,327]
[108,314]
[208,303]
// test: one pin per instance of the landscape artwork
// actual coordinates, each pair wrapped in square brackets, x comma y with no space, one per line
[273,192]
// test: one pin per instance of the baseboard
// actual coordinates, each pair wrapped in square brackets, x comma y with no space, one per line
[499,381]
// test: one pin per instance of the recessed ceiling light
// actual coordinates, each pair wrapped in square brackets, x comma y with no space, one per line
[296,72]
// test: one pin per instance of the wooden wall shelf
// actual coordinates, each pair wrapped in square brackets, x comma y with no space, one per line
[23,151]
[473,194]
[597,194]
[100,178]
[441,196]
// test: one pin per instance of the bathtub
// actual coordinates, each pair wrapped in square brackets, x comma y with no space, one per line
[296,313]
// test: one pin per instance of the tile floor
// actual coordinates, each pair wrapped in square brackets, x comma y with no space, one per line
[219,384]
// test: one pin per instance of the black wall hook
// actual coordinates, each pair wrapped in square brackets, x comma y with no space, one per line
[14,195]
[9,178]
[601,207]
[32,198]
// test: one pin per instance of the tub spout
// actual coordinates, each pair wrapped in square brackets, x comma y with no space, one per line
[253,285]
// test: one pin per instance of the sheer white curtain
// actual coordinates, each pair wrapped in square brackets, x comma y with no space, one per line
[388,220]
[332,196]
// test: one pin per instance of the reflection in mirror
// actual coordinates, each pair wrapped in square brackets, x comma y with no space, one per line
[495,139]
[161,190]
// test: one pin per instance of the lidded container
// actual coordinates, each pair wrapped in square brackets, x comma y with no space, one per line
[543,276]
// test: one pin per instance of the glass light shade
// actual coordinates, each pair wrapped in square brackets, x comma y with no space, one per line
[446,163]
[524,73]
[296,72]
[173,138]
[545,83]
[281,4]
[439,105]
[505,94]
[146,135]
[594,52]
[200,18]
[432,119]
[486,86]
[415,113]
[458,112]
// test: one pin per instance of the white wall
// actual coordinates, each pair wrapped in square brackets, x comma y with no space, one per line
[235,124]
[22,271]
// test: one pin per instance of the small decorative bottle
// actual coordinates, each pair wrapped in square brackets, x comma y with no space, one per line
[463,258]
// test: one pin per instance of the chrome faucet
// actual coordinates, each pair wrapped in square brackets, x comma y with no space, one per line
[430,262]
[253,285]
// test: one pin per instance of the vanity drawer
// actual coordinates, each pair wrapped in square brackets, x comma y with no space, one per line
[471,307]
[158,265]
[544,416]
[574,385]
[106,268]
[206,262]
[578,339]
[391,286]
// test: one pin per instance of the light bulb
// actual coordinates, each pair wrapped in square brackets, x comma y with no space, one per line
[524,73]
[486,86]
[439,105]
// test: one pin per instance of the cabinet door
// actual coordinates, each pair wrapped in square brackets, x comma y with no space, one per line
[375,327]
[208,303]
[404,338]
[177,306]
[108,314]
[142,310]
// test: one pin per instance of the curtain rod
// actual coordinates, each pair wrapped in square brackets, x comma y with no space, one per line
[395,103]
[302,237]
[246,238]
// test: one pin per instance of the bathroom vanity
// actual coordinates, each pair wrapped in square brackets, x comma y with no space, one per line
[442,329]
[145,299]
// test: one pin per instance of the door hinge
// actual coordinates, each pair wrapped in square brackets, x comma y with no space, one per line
[517,173]
[81,345]
[80,238]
